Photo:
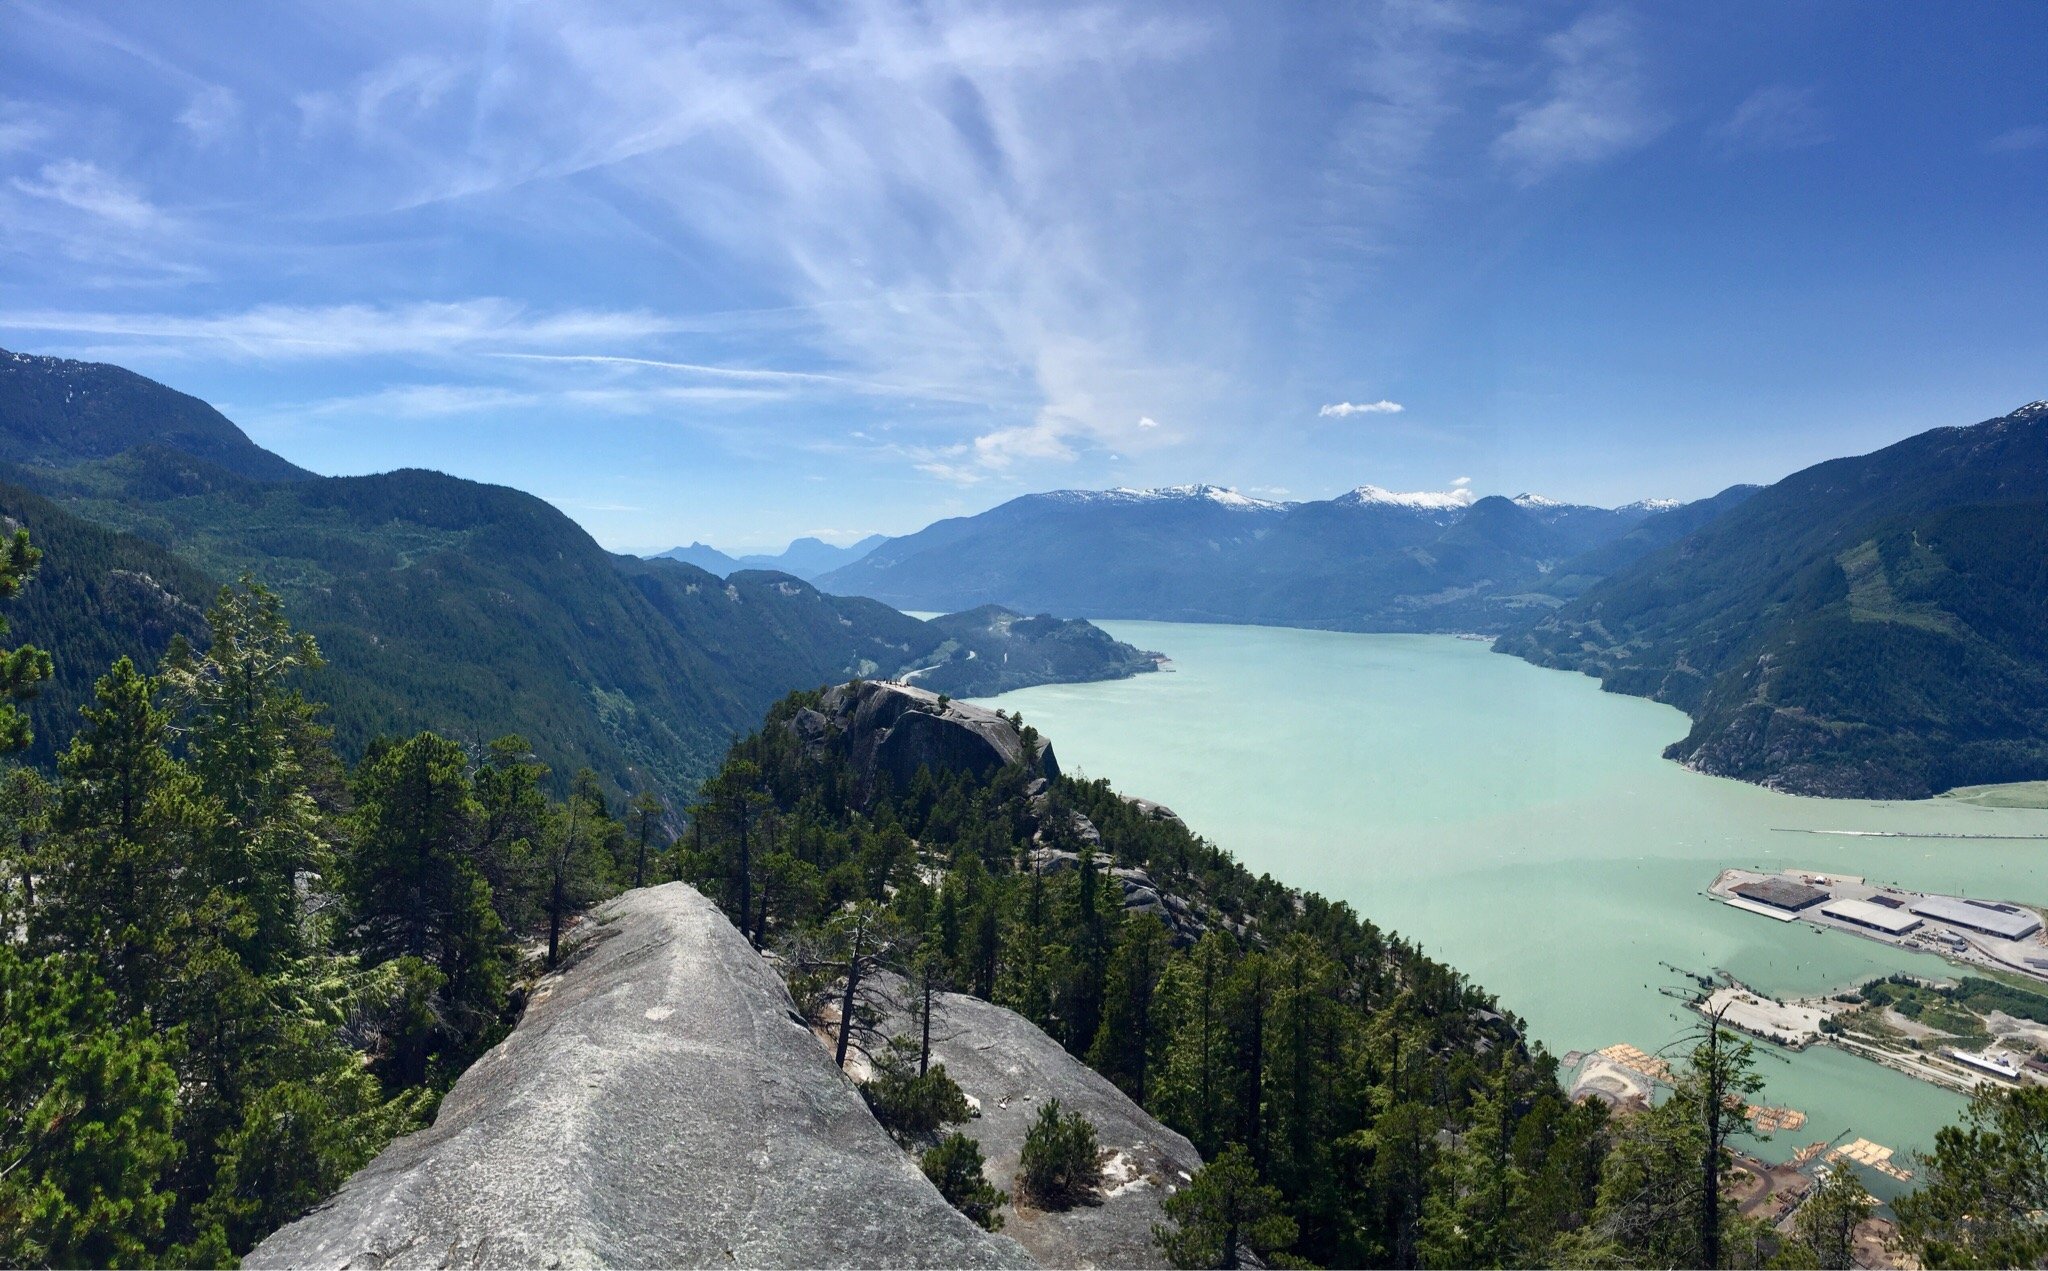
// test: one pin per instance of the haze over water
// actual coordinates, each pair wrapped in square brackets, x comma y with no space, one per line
[1521,825]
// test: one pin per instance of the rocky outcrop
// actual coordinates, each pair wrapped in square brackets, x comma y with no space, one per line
[1139,893]
[893,730]
[659,1105]
[1010,1069]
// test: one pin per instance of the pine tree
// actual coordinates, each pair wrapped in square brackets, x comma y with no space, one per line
[648,812]
[1126,1046]
[1469,1216]
[24,668]
[1825,1224]
[130,820]
[87,1107]
[1985,1200]
[1193,1090]
[1223,1210]
[570,861]
[955,1167]
[414,892]
[250,738]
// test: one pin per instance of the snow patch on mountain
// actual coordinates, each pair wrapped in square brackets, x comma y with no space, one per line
[1428,500]
[1222,495]
[1651,505]
[1528,500]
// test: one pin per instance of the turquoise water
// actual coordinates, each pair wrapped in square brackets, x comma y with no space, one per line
[1521,825]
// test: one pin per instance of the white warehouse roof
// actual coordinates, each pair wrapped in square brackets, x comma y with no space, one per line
[1961,913]
[1894,922]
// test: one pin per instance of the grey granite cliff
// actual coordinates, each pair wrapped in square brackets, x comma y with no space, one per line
[1010,1068]
[893,729]
[659,1105]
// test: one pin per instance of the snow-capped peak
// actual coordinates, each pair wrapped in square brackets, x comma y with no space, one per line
[1527,500]
[1431,500]
[1651,505]
[1222,495]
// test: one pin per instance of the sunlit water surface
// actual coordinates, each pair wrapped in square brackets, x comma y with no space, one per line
[1521,825]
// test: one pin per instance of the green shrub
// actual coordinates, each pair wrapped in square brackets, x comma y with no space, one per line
[1060,1159]
[910,1107]
[955,1168]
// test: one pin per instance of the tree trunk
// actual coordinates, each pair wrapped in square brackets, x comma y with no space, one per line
[746,879]
[1710,1161]
[924,1045]
[555,920]
[846,1008]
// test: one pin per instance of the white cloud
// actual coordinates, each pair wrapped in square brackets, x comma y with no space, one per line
[85,187]
[1775,117]
[1146,421]
[1593,108]
[1461,482]
[1342,410]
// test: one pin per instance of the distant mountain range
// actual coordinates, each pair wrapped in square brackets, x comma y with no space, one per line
[439,603]
[1873,627]
[1368,560]
[807,558]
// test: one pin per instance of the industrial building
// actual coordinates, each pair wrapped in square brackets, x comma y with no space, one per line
[2004,923]
[1862,913]
[1781,894]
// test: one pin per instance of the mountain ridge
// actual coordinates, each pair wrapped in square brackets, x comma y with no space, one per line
[438,602]
[1369,559]
[1867,627]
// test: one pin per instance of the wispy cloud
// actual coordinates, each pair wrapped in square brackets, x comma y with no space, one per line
[1595,105]
[1775,117]
[212,115]
[1344,410]
[85,187]
[21,126]
[341,331]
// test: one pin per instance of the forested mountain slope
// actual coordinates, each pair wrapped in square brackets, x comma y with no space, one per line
[1873,626]
[55,412]
[474,609]
[99,594]
[1370,560]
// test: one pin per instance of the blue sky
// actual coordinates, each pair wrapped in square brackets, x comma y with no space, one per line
[742,273]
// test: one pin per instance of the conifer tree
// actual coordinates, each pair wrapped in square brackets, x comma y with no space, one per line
[1469,1216]
[250,737]
[87,1108]
[1126,1046]
[955,1166]
[130,819]
[1825,1224]
[21,669]
[1985,1201]
[415,893]
[1222,1211]
[571,874]
[647,812]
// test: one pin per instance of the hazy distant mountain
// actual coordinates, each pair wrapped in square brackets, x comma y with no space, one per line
[704,556]
[1874,626]
[807,558]
[1370,559]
